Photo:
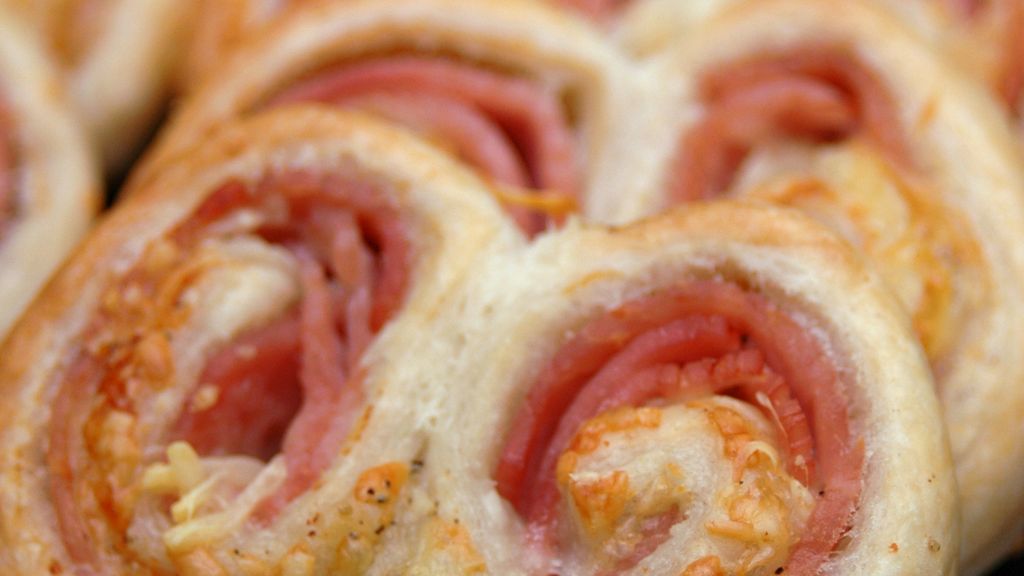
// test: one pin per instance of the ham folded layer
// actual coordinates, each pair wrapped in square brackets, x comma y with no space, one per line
[814,93]
[597,10]
[702,339]
[508,128]
[8,192]
[291,386]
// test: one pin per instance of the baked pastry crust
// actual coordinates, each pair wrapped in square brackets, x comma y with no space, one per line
[960,176]
[52,180]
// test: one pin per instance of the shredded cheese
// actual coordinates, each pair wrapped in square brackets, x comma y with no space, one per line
[298,563]
[727,494]
[187,507]
[182,473]
[551,203]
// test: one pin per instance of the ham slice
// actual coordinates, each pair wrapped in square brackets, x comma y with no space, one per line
[820,94]
[8,198]
[1011,83]
[258,394]
[290,387]
[602,11]
[67,459]
[508,128]
[337,320]
[704,338]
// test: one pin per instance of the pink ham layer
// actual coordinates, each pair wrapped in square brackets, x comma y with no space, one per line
[8,194]
[509,128]
[702,339]
[292,386]
[603,11]
[814,93]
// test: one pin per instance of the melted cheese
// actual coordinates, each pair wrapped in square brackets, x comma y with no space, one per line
[446,547]
[213,496]
[706,477]
[182,473]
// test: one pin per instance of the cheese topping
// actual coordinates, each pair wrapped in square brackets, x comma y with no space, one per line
[182,473]
[706,475]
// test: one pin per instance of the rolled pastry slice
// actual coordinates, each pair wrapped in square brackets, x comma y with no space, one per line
[118,56]
[48,186]
[722,390]
[844,114]
[190,394]
[512,88]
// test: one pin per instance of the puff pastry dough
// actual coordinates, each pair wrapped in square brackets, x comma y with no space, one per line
[843,112]
[48,186]
[205,387]
[118,56]
[682,396]
[514,89]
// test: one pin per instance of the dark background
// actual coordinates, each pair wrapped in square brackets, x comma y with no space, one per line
[1015,567]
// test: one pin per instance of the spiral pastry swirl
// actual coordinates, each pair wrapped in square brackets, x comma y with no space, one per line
[218,354]
[681,396]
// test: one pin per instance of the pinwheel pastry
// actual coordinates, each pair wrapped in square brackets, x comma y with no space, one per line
[118,56]
[843,113]
[515,89]
[723,390]
[48,188]
[193,391]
